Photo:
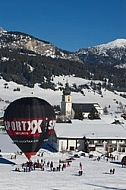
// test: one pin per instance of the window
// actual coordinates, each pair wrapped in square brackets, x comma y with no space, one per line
[71,148]
[68,98]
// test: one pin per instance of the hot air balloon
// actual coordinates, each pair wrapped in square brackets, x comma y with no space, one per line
[29,121]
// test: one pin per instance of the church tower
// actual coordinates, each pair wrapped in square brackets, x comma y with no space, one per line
[66,104]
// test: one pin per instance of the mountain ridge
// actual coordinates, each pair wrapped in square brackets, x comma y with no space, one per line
[19,52]
[21,40]
[118,43]
[45,48]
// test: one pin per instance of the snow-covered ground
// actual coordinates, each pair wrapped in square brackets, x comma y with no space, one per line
[55,97]
[95,173]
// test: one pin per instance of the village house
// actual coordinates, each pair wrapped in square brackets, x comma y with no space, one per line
[89,136]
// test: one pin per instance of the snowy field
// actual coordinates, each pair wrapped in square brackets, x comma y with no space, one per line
[55,97]
[96,175]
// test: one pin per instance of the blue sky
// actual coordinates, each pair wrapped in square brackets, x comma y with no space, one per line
[67,24]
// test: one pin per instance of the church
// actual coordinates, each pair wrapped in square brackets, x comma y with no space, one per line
[69,109]
[85,135]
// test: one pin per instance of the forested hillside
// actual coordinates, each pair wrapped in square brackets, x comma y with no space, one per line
[27,60]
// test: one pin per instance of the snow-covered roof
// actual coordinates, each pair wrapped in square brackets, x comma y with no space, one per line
[92,130]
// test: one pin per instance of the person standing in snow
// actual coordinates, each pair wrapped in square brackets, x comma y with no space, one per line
[51,165]
[80,171]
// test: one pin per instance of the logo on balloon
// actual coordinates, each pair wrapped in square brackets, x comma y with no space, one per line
[28,127]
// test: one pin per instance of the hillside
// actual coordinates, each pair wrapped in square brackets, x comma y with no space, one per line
[27,60]
[11,91]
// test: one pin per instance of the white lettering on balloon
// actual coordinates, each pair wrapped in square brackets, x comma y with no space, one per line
[32,126]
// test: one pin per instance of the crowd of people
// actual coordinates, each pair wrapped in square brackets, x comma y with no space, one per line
[60,165]
[42,165]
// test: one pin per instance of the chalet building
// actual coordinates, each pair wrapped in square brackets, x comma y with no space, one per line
[85,136]
[69,109]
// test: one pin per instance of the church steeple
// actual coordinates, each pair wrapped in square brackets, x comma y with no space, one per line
[66,91]
[66,104]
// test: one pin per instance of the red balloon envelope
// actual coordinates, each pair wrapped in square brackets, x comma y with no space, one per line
[29,121]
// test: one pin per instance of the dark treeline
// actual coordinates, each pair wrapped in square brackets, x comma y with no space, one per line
[27,68]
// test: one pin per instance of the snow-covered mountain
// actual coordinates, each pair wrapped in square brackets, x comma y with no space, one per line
[119,43]
[18,40]
[27,60]
[112,53]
